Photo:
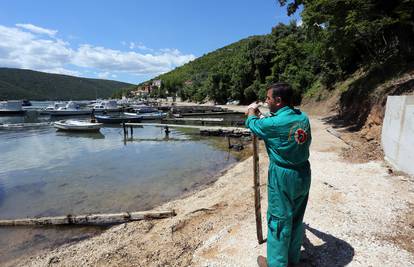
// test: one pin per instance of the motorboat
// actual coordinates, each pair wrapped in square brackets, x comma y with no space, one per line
[70,109]
[77,125]
[11,107]
[117,119]
[149,116]
[26,103]
[54,106]
[144,109]
[106,106]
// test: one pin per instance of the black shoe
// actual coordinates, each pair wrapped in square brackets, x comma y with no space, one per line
[262,261]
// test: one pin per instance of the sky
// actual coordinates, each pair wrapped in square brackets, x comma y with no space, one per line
[129,40]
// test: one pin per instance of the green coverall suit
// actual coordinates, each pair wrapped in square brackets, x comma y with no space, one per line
[287,136]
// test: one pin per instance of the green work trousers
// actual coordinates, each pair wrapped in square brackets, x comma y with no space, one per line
[288,191]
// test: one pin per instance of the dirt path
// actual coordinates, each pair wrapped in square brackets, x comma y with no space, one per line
[358,215]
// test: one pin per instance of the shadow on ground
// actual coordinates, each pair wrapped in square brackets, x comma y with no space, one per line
[334,252]
[336,121]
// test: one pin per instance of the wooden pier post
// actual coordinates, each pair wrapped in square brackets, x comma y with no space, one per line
[256,182]
[125,130]
[167,131]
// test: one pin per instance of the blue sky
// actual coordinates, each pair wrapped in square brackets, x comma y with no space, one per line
[127,40]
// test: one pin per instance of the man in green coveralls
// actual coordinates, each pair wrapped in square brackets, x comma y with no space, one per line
[287,135]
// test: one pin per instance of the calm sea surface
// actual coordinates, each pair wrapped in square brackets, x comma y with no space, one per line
[44,172]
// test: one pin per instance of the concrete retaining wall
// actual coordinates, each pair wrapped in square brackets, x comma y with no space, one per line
[398,133]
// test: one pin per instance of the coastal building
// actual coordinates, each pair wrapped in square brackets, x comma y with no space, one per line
[156,83]
[146,88]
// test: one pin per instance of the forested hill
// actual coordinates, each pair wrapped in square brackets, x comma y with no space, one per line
[334,40]
[34,85]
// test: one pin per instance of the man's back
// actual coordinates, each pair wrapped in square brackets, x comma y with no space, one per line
[287,135]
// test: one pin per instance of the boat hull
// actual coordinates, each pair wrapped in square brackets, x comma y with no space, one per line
[117,119]
[67,112]
[148,116]
[12,112]
[77,126]
[108,110]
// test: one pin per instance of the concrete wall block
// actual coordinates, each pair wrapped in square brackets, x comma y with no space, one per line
[405,156]
[397,135]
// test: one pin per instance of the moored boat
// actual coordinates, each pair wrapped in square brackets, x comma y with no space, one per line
[145,109]
[148,116]
[71,109]
[76,125]
[106,106]
[11,107]
[117,119]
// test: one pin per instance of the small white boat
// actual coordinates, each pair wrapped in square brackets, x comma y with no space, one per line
[71,109]
[11,107]
[75,125]
[54,106]
[107,105]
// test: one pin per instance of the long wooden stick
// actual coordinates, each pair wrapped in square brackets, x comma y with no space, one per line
[256,181]
[91,219]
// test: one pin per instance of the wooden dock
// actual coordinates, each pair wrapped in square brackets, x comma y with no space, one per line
[211,113]
[204,130]
[196,119]
[203,121]
[188,109]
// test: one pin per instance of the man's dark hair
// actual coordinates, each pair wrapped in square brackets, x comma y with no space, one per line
[282,90]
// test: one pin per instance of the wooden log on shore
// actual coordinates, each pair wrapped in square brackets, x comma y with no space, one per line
[90,219]
[204,130]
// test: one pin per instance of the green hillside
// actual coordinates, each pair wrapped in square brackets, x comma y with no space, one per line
[335,40]
[34,85]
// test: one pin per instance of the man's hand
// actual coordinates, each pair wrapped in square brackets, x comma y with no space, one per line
[253,109]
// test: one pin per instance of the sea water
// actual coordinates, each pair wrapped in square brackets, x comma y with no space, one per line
[45,172]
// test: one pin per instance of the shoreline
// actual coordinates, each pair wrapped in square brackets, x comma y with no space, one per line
[175,224]
[215,226]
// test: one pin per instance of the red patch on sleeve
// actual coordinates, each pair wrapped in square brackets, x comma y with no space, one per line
[301,136]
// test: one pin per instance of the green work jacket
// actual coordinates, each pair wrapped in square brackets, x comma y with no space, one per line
[287,135]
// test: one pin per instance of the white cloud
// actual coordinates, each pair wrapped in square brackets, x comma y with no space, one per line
[37,29]
[131,62]
[63,71]
[25,50]
[103,75]
[143,47]
[34,50]
[140,46]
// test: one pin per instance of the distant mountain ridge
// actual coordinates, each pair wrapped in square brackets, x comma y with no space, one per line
[35,85]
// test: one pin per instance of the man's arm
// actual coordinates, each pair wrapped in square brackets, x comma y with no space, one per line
[260,127]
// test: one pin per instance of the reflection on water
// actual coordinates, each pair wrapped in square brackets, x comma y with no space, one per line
[45,172]
[92,135]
